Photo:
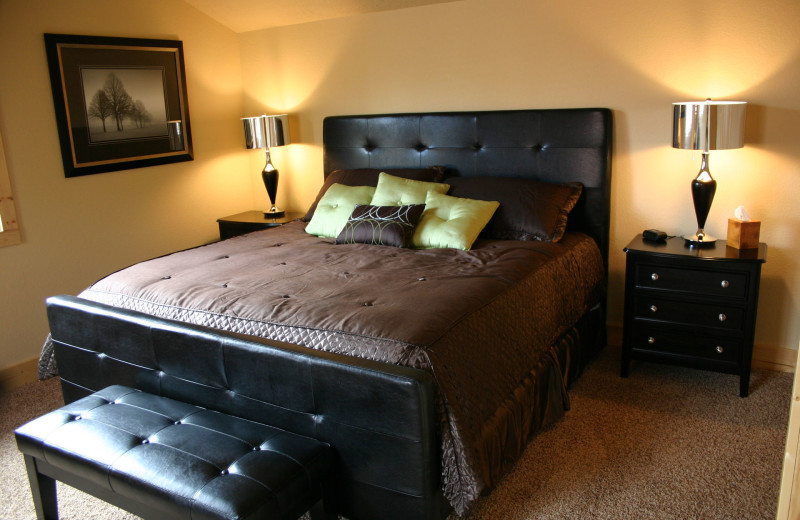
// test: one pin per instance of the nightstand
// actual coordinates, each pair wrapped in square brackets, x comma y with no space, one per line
[248,221]
[694,307]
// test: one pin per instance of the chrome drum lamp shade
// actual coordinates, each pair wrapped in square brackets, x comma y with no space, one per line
[705,126]
[254,132]
[267,132]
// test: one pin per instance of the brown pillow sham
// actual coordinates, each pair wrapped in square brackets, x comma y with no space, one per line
[381,225]
[529,209]
[369,177]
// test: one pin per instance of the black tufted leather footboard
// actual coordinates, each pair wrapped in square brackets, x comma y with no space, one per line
[380,419]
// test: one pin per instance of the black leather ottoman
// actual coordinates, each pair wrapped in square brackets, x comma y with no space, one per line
[160,458]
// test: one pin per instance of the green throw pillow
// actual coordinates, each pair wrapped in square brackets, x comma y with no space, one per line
[335,207]
[396,191]
[451,221]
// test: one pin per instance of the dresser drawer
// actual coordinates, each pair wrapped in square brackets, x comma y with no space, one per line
[698,281]
[649,306]
[650,338]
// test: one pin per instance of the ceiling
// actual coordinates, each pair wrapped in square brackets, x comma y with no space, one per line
[251,15]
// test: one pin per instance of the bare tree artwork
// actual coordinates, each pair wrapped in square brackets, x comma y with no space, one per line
[139,114]
[100,107]
[124,104]
[119,99]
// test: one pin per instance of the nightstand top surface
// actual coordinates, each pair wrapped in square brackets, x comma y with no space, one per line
[257,217]
[676,246]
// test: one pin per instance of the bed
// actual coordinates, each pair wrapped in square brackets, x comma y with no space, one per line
[427,369]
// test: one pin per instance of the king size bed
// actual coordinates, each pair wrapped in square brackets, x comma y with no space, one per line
[428,369]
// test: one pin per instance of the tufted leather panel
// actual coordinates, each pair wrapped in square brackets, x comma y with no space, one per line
[169,459]
[557,145]
[380,418]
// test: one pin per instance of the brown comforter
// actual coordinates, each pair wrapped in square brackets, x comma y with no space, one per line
[480,321]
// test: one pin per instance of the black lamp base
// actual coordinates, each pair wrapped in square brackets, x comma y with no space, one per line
[270,177]
[699,239]
[274,213]
[703,188]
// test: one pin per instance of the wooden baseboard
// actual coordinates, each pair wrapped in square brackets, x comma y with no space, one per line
[19,374]
[772,358]
[614,334]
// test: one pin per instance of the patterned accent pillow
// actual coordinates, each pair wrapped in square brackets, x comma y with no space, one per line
[381,225]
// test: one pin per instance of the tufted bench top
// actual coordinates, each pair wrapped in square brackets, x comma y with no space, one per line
[162,458]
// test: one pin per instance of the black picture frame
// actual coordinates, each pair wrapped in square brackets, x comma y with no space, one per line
[107,125]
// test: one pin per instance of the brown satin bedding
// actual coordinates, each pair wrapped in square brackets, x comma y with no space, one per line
[481,321]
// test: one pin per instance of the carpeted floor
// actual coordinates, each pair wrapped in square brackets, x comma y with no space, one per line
[666,443]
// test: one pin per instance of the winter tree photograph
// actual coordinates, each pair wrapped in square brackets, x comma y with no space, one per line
[124,103]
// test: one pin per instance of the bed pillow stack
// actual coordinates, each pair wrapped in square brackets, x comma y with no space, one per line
[491,207]
[369,177]
[401,212]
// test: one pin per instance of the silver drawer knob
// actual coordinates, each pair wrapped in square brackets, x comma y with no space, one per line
[654,277]
[653,308]
[722,317]
[651,340]
[724,284]
[719,349]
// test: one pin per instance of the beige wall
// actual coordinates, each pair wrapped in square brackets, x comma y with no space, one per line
[77,230]
[634,56]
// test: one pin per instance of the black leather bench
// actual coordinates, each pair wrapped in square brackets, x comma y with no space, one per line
[160,458]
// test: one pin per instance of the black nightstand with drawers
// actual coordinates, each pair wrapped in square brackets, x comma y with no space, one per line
[694,307]
[249,221]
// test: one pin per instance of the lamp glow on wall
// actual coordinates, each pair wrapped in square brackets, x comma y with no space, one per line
[706,126]
[268,132]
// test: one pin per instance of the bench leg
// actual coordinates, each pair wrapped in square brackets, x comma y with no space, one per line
[43,489]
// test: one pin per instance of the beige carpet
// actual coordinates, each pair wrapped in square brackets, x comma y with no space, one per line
[666,443]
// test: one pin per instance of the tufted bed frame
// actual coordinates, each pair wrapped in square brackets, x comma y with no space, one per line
[381,419]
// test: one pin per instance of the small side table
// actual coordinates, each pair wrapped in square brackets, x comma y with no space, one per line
[241,223]
[694,307]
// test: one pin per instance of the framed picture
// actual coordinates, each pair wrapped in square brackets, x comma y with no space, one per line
[120,102]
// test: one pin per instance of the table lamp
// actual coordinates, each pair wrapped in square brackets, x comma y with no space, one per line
[706,125]
[267,132]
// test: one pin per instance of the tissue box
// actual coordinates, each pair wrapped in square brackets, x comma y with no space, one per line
[743,234]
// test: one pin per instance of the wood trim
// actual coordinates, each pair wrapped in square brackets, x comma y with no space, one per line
[9,230]
[10,237]
[775,358]
[19,374]
[614,334]
[789,498]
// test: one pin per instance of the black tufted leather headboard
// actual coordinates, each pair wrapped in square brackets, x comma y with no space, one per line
[556,145]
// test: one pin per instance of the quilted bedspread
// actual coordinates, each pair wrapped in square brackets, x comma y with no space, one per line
[480,321]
